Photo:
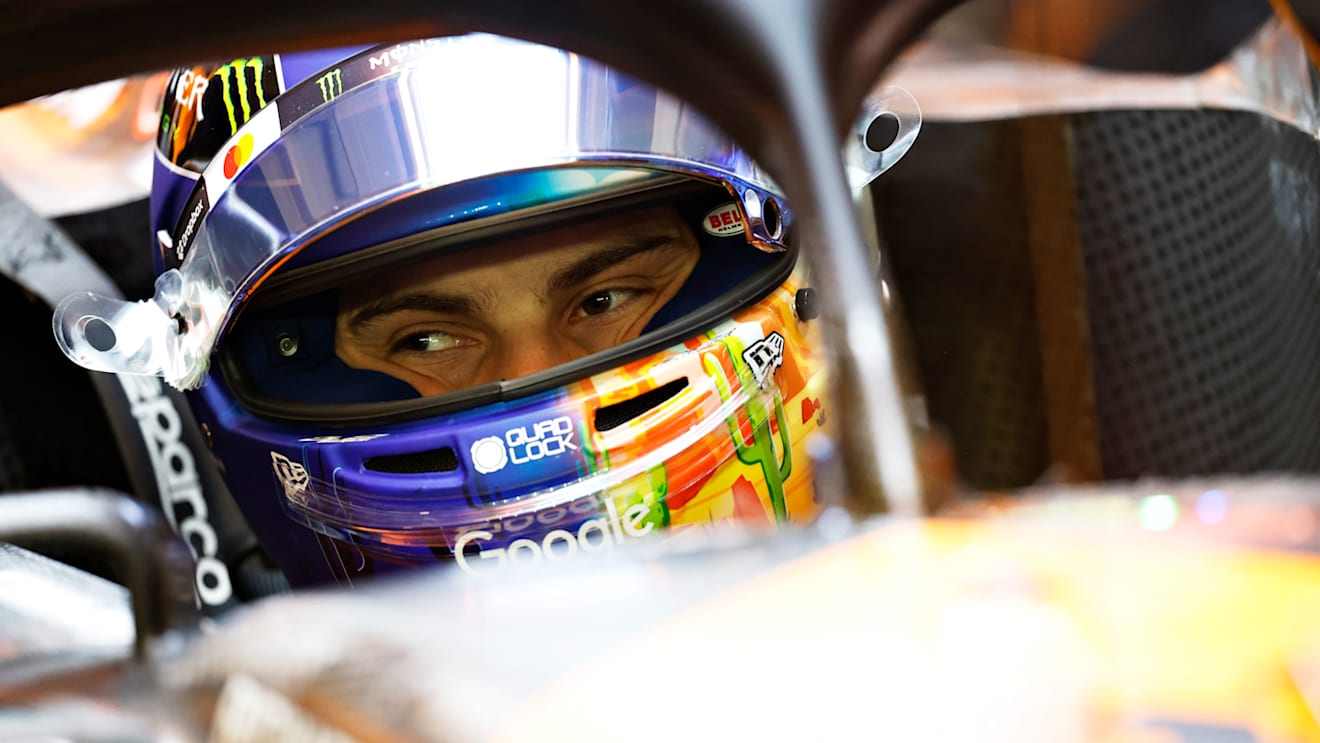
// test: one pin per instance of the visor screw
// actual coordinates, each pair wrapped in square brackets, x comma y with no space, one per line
[206,436]
[806,305]
[287,344]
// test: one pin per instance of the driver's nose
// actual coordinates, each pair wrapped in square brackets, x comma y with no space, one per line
[534,352]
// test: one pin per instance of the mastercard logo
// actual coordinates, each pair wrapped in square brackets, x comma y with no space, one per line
[238,155]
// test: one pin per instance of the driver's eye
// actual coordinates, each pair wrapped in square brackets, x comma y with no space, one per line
[602,302]
[427,341]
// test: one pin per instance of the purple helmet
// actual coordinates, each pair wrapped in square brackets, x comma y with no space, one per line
[470,300]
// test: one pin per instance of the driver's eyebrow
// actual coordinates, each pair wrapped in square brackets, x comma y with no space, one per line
[448,304]
[590,265]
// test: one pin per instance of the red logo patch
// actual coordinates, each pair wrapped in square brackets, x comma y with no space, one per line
[809,408]
[723,220]
[238,155]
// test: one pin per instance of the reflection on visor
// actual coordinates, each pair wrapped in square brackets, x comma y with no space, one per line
[459,312]
[410,118]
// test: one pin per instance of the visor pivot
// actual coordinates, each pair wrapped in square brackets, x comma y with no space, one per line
[100,335]
[882,132]
[806,305]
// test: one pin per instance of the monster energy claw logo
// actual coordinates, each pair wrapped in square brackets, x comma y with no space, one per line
[331,85]
[239,95]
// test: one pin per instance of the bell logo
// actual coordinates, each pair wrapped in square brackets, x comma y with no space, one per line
[723,220]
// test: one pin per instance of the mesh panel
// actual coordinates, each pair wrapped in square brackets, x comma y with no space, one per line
[1190,328]
[613,416]
[415,463]
[1203,258]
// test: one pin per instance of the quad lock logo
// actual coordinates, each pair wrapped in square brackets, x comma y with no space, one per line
[547,438]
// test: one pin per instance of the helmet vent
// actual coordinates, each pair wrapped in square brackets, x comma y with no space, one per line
[416,463]
[613,416]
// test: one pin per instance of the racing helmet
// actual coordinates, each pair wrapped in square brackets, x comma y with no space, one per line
[471,300]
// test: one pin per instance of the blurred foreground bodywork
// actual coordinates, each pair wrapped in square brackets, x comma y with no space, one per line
[1058,622]
[82,150]
[1184,613]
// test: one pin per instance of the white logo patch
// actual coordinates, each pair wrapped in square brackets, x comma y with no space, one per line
[723,220]
[489,455]
[190,91]
[344,439]
[547,438]
[178,484]
[764,356]
[603,532]
[292,476]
